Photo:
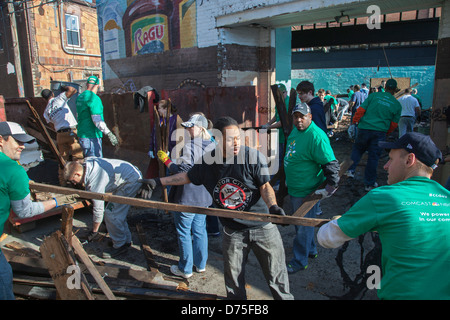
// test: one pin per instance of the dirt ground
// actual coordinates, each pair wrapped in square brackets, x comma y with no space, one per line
[335,274]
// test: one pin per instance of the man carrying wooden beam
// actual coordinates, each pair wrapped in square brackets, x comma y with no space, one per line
[15,192]
[309,161]
[107,176]
[237,177]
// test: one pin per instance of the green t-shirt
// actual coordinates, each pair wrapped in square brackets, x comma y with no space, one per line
[14,185]
[88,104]
[277,117]
[306,151]
[334,102]
[412,218]
[381,108]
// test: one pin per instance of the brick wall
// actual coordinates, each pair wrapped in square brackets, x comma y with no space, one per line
[51,60]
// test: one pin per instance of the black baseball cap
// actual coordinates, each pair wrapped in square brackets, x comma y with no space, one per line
[16,131]
[419,144]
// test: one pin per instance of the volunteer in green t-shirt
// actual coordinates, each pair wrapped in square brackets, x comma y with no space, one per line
[15,192]
[309,161]
[377,117]
[412,217]
[91,125]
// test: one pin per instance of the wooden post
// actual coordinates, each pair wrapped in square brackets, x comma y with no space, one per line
[67,223]
[58,260]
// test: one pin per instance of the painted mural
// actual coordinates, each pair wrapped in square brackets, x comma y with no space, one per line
[129,28]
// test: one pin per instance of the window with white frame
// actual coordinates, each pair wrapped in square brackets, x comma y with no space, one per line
[73,30]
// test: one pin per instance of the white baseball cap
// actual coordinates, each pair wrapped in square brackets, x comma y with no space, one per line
[16,131]
[196,120]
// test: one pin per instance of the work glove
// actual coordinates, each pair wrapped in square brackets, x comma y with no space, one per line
[326,192]
[113,139]
[147,188]
[151,155]
[164,158]
[276,210]
[65,199]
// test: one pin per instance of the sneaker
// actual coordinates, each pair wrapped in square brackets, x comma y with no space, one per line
[291,269]
[114,252]
[368,188]
[174,269]
[312,255]
[350,174]
[200,270]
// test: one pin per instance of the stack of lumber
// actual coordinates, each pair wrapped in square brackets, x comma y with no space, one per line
[52,274]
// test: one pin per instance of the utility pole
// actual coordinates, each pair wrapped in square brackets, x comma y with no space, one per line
[15,41]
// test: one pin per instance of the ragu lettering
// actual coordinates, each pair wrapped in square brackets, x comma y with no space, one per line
[141,37]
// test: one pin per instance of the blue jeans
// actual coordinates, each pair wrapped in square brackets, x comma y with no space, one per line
[6,279]
[92,147]
[267,245]
[304,243]
[192,240]
[367,140]
[405,124]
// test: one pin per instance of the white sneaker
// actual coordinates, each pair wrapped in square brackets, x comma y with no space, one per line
[368,188]
[174,269]
[350,174]
[200,270]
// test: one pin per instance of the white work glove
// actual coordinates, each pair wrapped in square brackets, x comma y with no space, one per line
[113,139]
[326,192]
[151,155]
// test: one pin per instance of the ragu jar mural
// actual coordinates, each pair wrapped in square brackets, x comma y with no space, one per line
[158,25]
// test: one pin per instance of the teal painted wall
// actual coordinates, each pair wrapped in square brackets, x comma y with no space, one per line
[338,80]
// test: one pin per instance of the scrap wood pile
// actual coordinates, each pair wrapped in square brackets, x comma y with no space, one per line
[63,270]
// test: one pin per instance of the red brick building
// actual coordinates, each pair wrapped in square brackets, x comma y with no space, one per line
[47,40]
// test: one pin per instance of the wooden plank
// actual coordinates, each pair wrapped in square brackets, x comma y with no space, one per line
[58,260]
[311,200]
[280,105]
[159,141]
[67,222]
[149,257]
[46,135]
[402,92]
[263,217]
[79,251]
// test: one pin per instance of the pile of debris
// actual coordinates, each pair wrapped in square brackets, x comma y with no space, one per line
[63,270]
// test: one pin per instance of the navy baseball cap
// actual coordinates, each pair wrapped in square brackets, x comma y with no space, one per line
[419,144]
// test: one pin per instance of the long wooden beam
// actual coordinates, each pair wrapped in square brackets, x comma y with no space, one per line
[263,217]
